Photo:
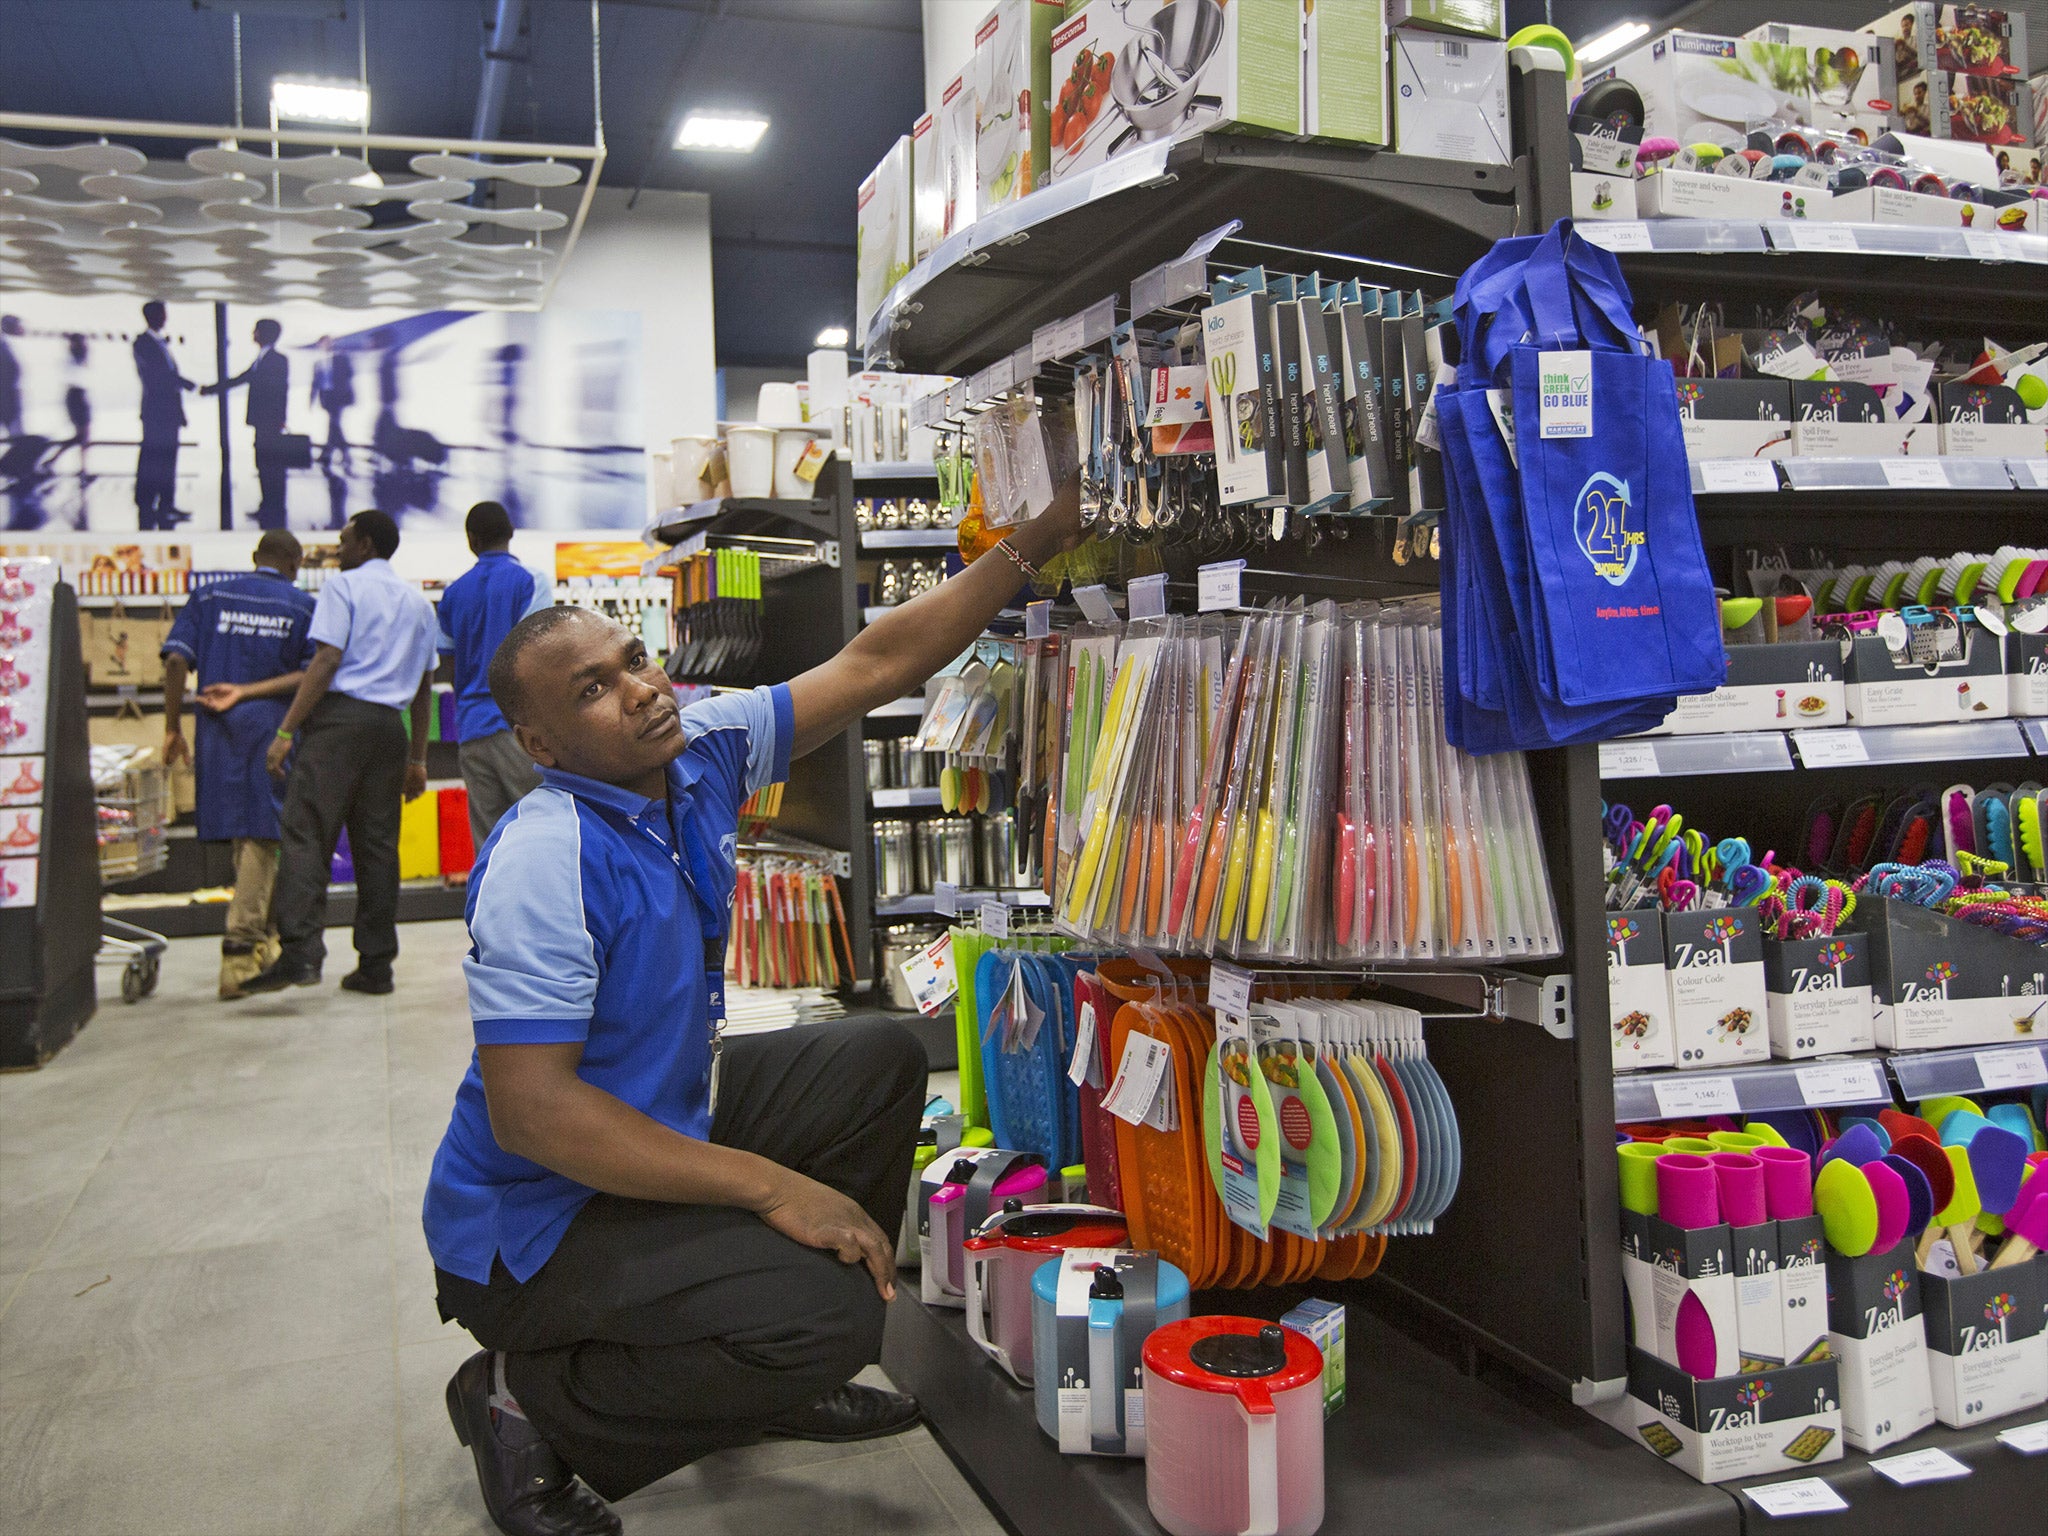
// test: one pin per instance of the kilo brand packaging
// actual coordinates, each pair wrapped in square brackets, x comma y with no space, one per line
[956,154]
[1876,1338]
[1237,349]
[1363,409]
[882,232]
[1344,71]
[1939,981]
[1769,688]
[1888,682]
[1638,1002]
[1450,97]
[1714,967]
[1742,1425]
[1987,1349]
[927,188]
[1735,418]
[1818,995]
[1989,421]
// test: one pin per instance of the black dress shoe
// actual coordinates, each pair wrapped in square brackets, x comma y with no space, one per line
[526,1488]
[846,1413]
[364,979]
[286,972]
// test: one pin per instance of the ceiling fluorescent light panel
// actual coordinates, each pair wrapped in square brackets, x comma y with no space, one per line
[730,132]
[319,101]
[1612,41]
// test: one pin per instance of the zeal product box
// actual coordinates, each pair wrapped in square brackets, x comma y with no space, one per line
[1938,981]
[1879,1345]
[1714,964]
[1792,686]
[1744,1425]
[1638,1003]
[1985,1342]
[1817,994]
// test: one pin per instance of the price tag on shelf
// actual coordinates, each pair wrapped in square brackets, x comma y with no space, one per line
[2027,1439]
[1627,760]
[1928,1466]
[2013,1067]
[1616,234]
[1830,749]
[1984,245]
[1914,474]
[1821,237]
[1230,990]
[2029,474]
[946,898]
[995,919]
[1737,475]
[1219,586]
[1094,604]
[1805,1496]
[1685,1098]
[1038,620]
[1146,596]
[1842,1082]
[1095,323]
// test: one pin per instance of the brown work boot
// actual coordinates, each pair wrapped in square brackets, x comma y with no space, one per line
[239,960]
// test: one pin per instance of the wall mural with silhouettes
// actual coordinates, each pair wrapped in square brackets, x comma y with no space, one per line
[120,415]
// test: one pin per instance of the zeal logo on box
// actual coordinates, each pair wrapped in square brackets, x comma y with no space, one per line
[1565,405]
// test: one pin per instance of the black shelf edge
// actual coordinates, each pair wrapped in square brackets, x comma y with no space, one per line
[1872,520]
[1959,288]
[745,514]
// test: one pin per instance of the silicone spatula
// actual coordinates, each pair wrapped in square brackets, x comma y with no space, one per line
[1955,1218]
[2027,1226]
[1894,1205]
[2014,1118]
[1923,1153]
[1919,1194]
[1998,1161]
[1859,1145]
[1848,1208]
[1693,1333]
[1898,1123]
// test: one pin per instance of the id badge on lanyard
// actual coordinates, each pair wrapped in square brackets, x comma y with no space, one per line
[714,969]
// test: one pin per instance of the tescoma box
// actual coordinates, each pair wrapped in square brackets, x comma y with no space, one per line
[927,188]
[1603,195]
[1989,421]
[1638,1002]
[956,154]
[1474,18]
[1714,970]
[1012,69]
[1818,995]
[1769,688]
[1887,687]
[1450,97]
[1939,981]
[1875,1335]
[1986,1345]
[882,231]
[1743,1425]
[1894,205]
[1735,418]
[1704,195]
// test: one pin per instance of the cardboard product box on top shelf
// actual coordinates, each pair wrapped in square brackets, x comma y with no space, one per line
[956,154]
[1841,81]
[1011,69]
[1450,97]
[927,188]
[1344,71]
[1893,205]
[1940,982]
[1961,39]
[1990,421]
[1473,18]
[882,232]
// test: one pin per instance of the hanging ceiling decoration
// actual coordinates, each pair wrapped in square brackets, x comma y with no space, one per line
[261,217]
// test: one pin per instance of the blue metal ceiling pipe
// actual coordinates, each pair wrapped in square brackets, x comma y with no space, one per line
[498,61]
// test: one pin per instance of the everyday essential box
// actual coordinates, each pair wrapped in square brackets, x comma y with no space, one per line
[1877,1340]
[1843,81]
[1603,195]
[1735,418]
[1887,687]
[1743,1425]
[1638,1001]
[2026,673]
[1986,1344]
[1704,195]
[956,117]
[1894,205]
[1323,1322]
[1473,18]
[1938,981]
[927,188]
[1989,421]
[882,233]
[1769,688]
[1818,995]
[1344,71]
[1714,969]
[1450,97]
[1012,69]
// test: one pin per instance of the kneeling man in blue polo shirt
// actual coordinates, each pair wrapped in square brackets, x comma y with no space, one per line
[667,1243]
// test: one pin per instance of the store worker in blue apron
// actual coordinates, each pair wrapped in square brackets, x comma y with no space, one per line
[666,1242]
[244,642]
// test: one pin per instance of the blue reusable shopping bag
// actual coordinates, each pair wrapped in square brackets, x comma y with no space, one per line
[1628,604]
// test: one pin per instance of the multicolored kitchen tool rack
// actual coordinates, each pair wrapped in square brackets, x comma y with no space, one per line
[971,720]
[788,928]
[1277,785]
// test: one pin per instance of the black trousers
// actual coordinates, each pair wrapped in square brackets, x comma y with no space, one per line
[348,771]
[156,481]
[658,1333]
[272,465]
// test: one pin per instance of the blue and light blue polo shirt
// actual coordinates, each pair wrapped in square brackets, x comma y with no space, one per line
[589,910]
[477,611]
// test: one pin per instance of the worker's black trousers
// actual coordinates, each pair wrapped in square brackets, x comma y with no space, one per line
[657,1333]
[348,771]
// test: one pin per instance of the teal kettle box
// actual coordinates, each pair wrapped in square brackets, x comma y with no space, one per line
[1091,1312]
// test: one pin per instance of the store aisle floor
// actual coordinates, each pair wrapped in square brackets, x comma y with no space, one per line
[216,1307]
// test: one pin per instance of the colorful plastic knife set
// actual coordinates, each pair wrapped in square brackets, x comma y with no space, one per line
[1277,785]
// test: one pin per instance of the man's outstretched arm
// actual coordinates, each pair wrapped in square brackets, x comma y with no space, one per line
[897,652]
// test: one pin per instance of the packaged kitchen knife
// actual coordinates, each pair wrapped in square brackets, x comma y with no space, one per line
[1364,385]
[1329,465]
[1286,321]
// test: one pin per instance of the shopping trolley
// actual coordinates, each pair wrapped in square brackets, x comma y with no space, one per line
[131,799]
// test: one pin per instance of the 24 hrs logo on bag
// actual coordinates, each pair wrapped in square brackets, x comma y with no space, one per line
[1601,520]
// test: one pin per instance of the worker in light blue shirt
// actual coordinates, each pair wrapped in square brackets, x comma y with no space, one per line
[665,1241]
[374,659]
[478,610]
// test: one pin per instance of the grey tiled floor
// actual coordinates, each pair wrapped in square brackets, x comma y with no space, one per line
[216,1308]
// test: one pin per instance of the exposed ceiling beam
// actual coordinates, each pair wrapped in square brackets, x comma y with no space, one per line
[498,61]
[837,17]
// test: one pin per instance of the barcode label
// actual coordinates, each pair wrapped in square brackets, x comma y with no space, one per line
[1449,50]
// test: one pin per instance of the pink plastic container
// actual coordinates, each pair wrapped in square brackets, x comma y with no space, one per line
[1688,1194]
[1788,1182]
[1739,1177]
[952,1219]
[1004,1255]
[1234,1428]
